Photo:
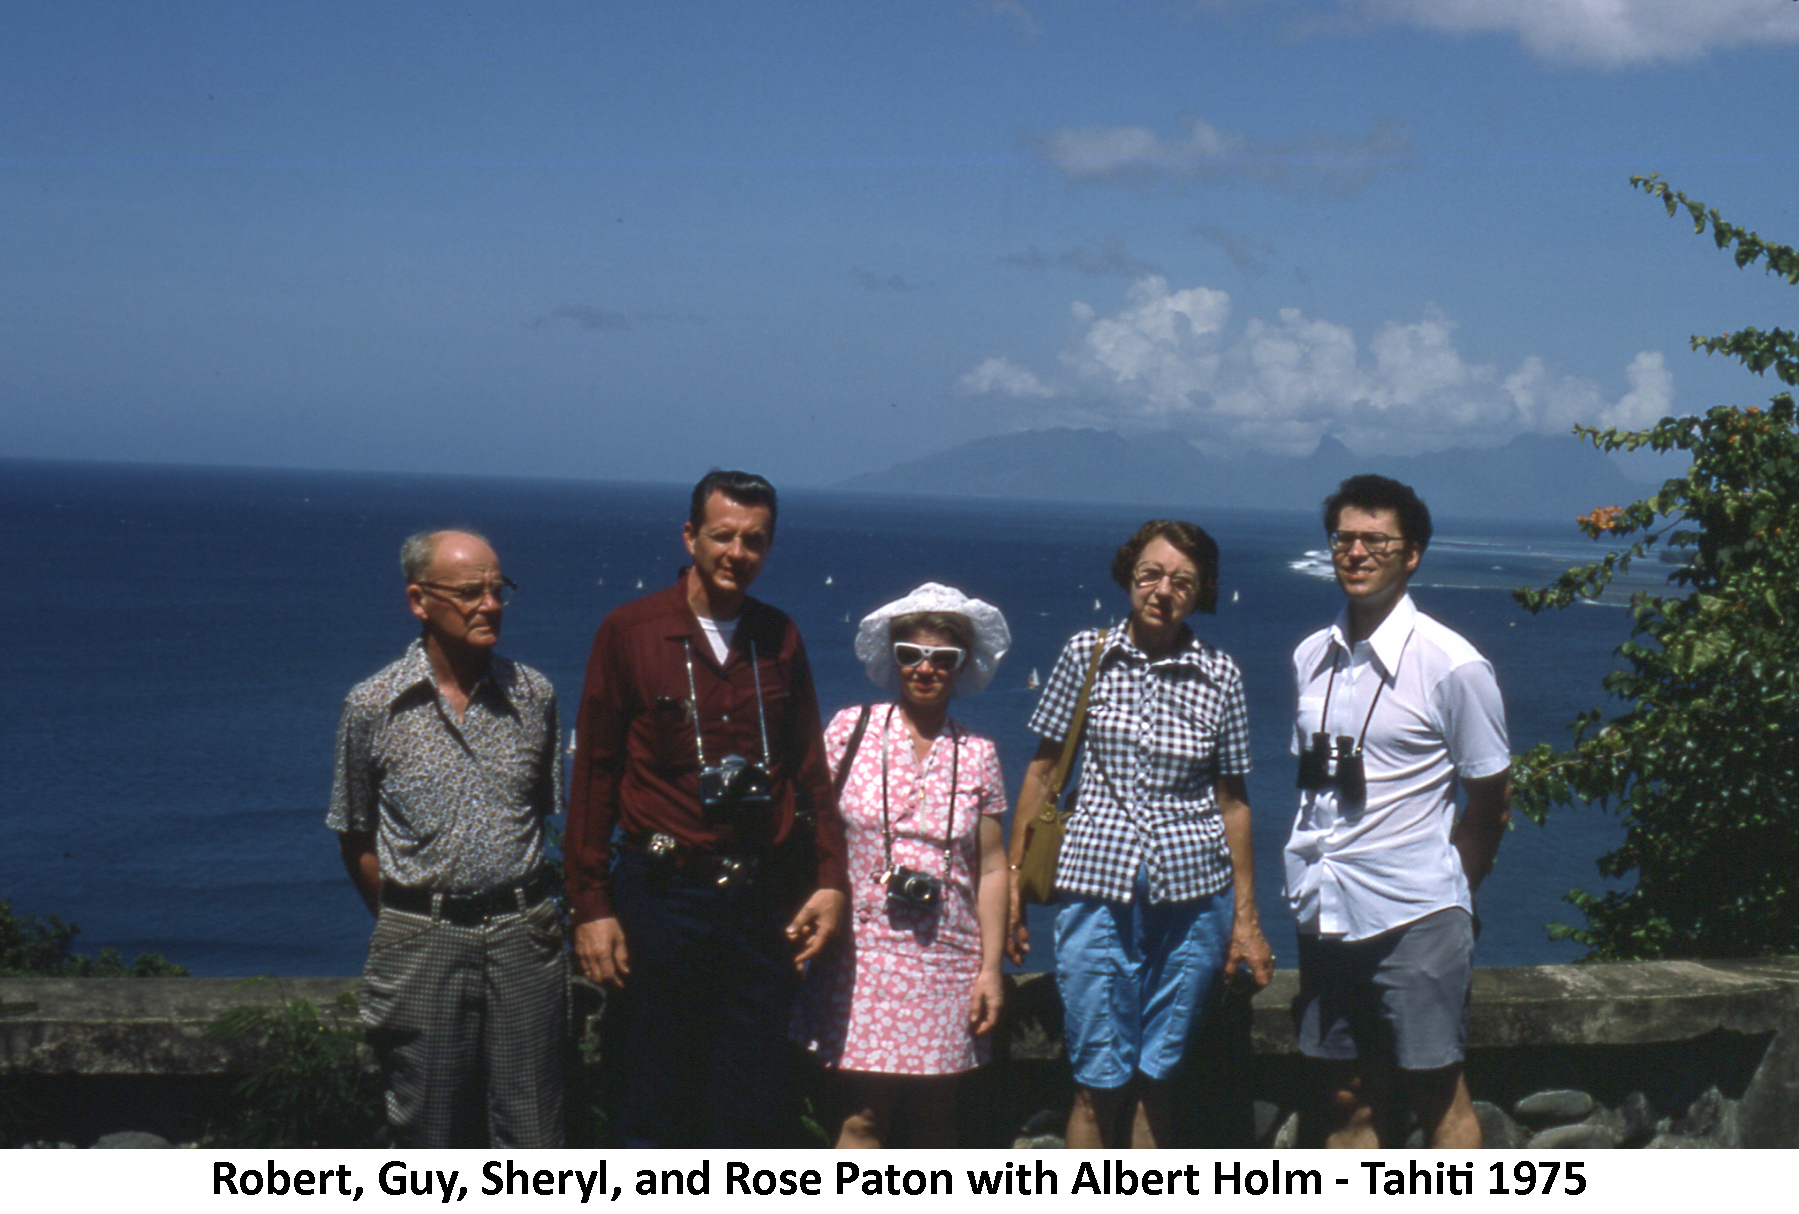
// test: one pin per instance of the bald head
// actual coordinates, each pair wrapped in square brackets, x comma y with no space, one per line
[420,550]
[455,587]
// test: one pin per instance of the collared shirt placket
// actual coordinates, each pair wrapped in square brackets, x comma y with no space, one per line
[1142,782]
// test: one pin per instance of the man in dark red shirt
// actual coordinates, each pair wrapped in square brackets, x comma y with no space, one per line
[705,855]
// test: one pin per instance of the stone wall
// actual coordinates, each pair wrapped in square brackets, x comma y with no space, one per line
[1643,1054]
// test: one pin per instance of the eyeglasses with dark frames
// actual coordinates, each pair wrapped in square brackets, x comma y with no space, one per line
[1373,542]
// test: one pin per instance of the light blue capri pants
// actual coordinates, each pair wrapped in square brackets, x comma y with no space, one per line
[1134,978]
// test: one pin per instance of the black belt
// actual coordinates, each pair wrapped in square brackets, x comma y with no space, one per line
[666,856]
[469,909]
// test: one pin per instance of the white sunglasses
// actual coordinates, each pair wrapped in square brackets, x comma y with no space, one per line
[943,657]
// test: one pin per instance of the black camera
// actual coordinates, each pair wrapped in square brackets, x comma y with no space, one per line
[734,785]
[1316,763]
[909,887]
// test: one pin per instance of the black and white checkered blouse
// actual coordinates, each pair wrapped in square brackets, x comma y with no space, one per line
[1158,736]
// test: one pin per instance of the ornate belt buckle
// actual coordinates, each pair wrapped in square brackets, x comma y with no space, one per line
[661,847]
[732,872]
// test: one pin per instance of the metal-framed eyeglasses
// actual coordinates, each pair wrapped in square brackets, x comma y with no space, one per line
[471,595]
[1148,577]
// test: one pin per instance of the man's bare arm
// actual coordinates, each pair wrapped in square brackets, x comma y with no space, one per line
[1483,824]
[363,864]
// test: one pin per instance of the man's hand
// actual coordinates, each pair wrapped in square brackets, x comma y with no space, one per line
[816,923]
[1018,934]
[1250,950]
[363,864]
[600,951]
[984,1002]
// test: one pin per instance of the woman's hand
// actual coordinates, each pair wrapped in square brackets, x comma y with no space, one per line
[1249,949]
[985,999]
[1018,934]
[1031,797]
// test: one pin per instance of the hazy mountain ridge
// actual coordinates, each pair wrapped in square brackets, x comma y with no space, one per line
[1533,476]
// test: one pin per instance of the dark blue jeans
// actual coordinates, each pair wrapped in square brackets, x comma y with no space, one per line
[705,1059]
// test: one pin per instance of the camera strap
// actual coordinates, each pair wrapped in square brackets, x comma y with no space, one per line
[693,702]
[949,822]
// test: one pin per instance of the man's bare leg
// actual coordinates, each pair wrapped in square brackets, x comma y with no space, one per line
[1354,1094]
[1441,1101]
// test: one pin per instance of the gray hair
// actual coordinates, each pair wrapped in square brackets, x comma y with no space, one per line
[420,549]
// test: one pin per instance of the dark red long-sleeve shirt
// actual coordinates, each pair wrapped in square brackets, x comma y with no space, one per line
[635,761]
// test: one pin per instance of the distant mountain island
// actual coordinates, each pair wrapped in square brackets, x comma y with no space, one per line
[1534,476]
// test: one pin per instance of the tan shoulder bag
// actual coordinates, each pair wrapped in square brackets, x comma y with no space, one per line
[1043,832]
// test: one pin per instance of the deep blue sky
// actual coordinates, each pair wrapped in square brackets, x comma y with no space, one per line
[632,241]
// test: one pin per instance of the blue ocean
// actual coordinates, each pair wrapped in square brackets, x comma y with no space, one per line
[184,637]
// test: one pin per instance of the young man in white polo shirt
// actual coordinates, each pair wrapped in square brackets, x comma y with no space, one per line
[1395,710]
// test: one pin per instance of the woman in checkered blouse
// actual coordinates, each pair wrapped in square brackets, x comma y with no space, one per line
[1156,873]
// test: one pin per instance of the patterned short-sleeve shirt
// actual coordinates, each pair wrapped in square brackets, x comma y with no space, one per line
[455,806]
[1159,734]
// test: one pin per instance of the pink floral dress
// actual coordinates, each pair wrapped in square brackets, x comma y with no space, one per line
[894,996]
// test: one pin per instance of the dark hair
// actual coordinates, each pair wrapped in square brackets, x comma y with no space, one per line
[952,624]
[744,488]
[1371,492]
[1193,543]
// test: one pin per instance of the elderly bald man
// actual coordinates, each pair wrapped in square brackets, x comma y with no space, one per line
[447,765]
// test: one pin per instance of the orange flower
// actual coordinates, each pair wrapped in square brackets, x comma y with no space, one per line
[1604,519]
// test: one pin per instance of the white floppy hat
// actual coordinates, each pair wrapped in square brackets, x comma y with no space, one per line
[874,640]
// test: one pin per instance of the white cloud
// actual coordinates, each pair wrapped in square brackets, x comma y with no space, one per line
[1002,377]
[1612,33]
[1170,359]
[1203,152]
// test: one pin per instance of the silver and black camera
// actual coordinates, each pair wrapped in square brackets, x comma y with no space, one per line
[734,785]
[1317,762]
[909,887]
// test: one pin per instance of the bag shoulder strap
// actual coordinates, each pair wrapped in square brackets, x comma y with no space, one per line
[1052,791]
[849,752]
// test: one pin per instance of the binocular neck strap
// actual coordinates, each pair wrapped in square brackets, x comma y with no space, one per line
[693,704]
[949,822]
[1380,685]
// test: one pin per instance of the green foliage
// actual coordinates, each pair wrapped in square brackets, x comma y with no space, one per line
[42,946]
[1702,760]
[311,1086]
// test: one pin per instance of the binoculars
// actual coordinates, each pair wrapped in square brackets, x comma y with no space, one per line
[1317,762]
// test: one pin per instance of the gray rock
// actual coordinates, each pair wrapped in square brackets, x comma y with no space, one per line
[1676,1142]
[1043,1121]
[1267,1117]
[1558,1107]
[133,1140]
[1498,1131]
[1638,1118]
[1287,1137]
[1039,1142]
[1587,1136]
[1713,1116]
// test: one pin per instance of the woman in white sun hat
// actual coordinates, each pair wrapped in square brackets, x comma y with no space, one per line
[906,1003]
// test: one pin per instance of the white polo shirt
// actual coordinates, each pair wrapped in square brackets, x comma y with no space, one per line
[1356,869]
